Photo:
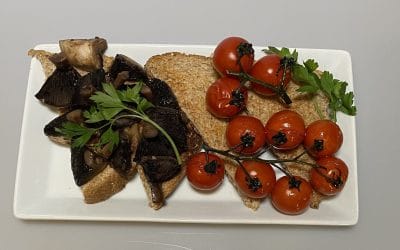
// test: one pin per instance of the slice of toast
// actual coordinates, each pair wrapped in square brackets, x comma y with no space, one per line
[189,76]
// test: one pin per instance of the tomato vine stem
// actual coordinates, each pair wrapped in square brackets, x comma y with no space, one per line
[239,159]
[280,90]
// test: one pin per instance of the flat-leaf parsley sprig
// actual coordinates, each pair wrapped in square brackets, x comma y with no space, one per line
[333,89]
[107,105]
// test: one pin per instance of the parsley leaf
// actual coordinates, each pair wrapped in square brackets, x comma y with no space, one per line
[79,134]
[93,115]
[302,75]
[311,65]
[284,52]
[132,95]
[311,83]
[110,137]
[109,99]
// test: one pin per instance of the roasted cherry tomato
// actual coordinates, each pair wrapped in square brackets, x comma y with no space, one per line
[205,171]
[269,70]
[285,130]
[245,134]
[330,177]
[229,51]
[323,138]
[226,98]
[261,182]
[291,195]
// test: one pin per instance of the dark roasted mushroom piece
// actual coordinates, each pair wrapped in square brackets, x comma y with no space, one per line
[159,169]
[123,122]
[50,128]
[161,94]
[85,165]
[148,130]
[171,121]
[90,83]
[156,192]
[123,63]
[59,89]
[84,54]
[121,158]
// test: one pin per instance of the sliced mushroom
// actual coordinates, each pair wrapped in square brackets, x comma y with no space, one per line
[123,122]
[123,63]
[84,54]
[83,172]
[133,134]
[121,157]
[59,89]
[93,160]
[171,121]
[161,94]
[122,77]
[90,83]
[148,130]
[59,60]
[75,116]
[156,193]
[146,92]
[103,151]
[159,169]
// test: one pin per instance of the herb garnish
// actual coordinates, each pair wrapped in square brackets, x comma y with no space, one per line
[333,89]
[107,106]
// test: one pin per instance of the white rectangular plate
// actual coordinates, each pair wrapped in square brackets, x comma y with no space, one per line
[45,188]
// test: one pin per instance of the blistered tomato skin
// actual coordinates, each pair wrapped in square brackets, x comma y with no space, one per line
[267,69]
[285,130]
[226,56]
[291,200]
[226,98]
[245,134]
[205,173]
[262,182]
[330,177]
[323,138]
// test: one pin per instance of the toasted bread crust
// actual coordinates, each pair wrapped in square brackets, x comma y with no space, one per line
[103,186]
[189,76]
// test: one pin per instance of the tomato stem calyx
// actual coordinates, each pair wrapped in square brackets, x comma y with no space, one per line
[211,167]
[238,98]
[279,138]
[318,145]
[294,183]
[253,183]
[243,49]
[247,140]
[336,181]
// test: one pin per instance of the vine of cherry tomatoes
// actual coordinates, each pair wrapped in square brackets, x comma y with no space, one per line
[247,137]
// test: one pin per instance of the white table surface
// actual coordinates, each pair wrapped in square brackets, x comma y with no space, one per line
[369,30]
